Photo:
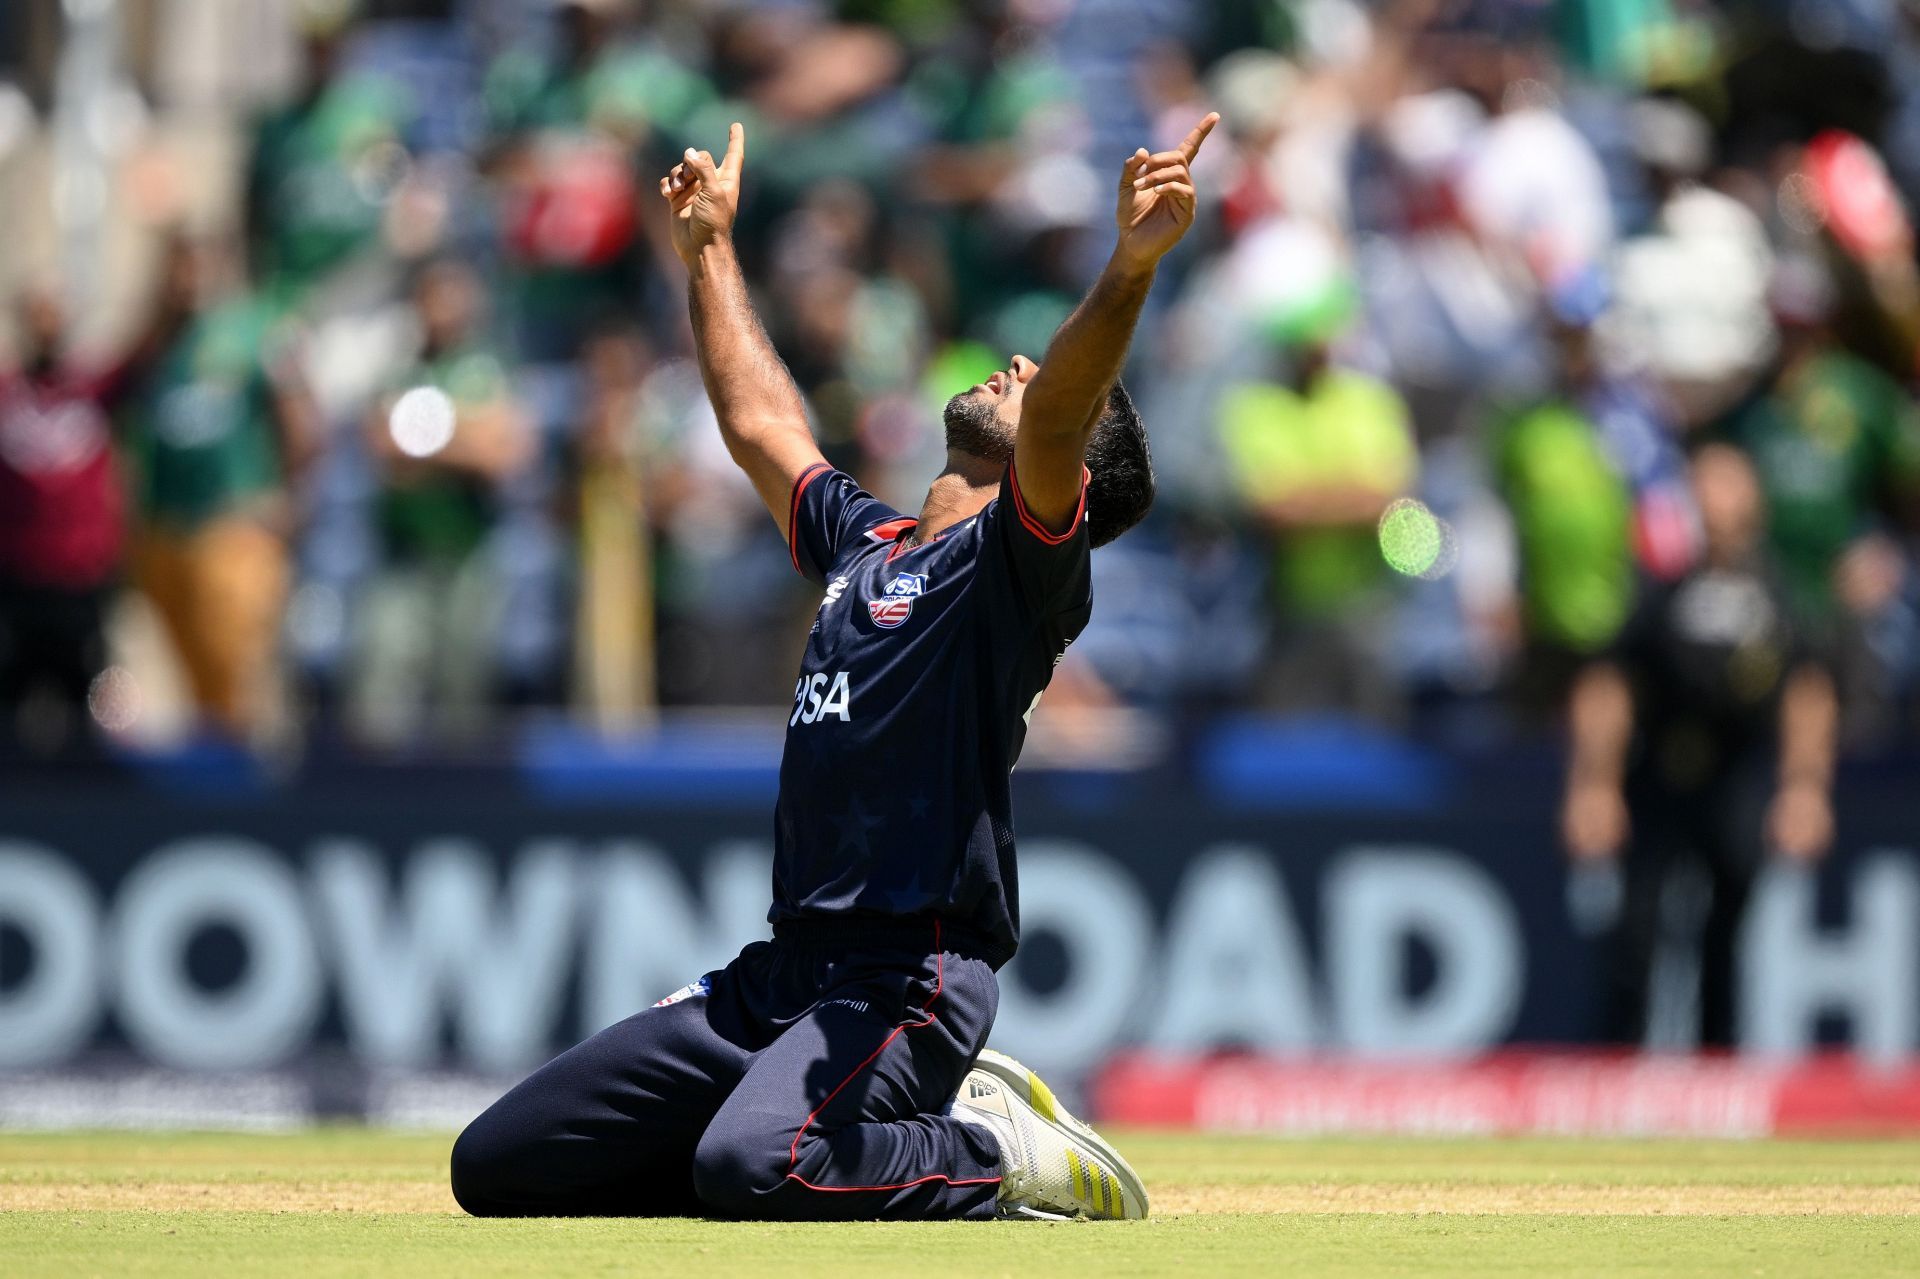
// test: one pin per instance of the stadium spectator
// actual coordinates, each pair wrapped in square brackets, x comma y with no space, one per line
[564,130]
[1837,446]
[1529,185]
[1571,512]
[1317,452]
[1704,739]
[323,164]
[427,620]
[219,428]
[614,668]
[62,529]
[1690,284]
[927,173]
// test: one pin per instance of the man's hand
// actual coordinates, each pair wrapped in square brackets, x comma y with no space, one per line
[704,196]
[1157,200]
[1800,818]
[1593,821]
[1065,399]
[762,418]
[1800,822]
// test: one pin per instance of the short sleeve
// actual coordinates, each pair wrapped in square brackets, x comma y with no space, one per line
[829,513]
[1052,570]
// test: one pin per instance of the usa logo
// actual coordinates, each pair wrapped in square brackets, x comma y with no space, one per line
[895,604]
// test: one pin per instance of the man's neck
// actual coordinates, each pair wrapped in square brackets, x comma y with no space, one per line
[959,492]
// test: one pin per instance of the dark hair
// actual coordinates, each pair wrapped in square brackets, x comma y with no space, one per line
[1121,490]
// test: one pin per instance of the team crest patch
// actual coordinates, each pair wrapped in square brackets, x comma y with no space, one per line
[895,604]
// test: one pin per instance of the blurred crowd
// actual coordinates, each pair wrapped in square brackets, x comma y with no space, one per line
[1520,261]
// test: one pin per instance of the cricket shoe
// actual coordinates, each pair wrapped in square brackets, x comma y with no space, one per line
[1052,1166]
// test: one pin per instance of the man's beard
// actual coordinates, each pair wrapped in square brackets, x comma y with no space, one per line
[974,428]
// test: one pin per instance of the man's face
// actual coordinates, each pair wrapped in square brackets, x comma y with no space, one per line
[583,28]
[1573,345]
[447,300]
[982,420]
[197,274]
[1728,496]
[43,326]
[1310,360]
[322,49]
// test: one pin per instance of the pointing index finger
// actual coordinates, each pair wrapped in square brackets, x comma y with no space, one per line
[736,150]
[1191,147]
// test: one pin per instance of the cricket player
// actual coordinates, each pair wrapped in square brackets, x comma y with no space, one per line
[837,1071]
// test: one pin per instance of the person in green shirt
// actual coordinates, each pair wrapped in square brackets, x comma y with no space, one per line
[1316,455]
[979,103]
[1572,515]
[565,128]
[220,427]
[593,80]
[1837,445]
[322,167]
[445,439]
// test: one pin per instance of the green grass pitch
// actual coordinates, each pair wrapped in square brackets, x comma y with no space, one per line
[350,1202]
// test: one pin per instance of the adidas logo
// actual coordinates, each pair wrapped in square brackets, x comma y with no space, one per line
[981,1088]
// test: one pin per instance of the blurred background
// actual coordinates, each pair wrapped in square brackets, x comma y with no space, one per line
[1521,664]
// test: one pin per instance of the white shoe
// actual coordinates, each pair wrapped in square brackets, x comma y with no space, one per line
[1052,1166]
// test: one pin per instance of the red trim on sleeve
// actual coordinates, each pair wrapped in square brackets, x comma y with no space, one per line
[891,529]
[807,477]
[1034,526]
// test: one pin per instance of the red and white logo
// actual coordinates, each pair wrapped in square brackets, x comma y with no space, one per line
[895,604]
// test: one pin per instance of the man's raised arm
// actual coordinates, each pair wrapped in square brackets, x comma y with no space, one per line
[1068,394]
[762,417]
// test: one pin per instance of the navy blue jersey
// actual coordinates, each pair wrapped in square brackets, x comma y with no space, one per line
[922,667]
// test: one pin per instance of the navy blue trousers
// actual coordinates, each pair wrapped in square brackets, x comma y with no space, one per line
[805,1081]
